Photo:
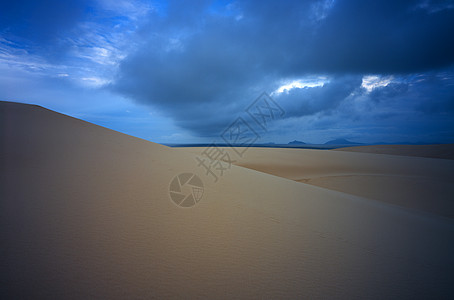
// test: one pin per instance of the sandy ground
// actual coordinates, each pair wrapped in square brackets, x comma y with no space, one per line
[445,151]
[86,213]
[424,184]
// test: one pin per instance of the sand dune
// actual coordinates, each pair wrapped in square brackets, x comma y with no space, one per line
[86,213]
[445,151]
[422,184]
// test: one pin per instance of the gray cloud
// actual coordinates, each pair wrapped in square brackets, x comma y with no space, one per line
[390,91]
[203,68]
[311,100]
[201,63]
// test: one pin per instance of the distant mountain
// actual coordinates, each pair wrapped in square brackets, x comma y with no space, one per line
[295,142]
[341,142]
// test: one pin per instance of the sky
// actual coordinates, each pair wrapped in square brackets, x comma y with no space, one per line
[184,71]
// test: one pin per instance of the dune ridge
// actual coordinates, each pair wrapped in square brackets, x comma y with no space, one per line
[423,184]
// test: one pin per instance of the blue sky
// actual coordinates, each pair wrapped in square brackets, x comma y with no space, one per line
[182,71]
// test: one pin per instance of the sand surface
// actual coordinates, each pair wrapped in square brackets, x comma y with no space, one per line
[445,151]
[424,184]
[85,212]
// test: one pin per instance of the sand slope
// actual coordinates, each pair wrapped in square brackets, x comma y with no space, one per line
[85,213]
[424,184]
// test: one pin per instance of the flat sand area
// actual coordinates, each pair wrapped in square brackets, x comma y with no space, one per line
[424,184]
[85,212]
[445,151]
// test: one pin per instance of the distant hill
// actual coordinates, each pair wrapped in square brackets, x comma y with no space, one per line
[341,142]
[295,142]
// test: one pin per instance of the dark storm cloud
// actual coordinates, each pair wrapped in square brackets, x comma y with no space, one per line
[420,108]
[384,37]
[390,91]
[203,68]
[308,101]
[436,95]
[202,62]
[426,93]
